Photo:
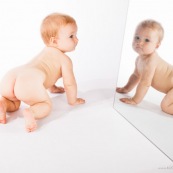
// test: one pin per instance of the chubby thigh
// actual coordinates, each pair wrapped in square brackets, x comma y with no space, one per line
[167,102]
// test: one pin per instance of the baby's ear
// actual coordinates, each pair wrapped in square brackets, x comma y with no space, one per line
[158,44]
[53,40]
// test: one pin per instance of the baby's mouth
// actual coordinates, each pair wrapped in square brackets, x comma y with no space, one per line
[138,47]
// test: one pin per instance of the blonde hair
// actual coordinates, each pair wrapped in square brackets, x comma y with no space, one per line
[51,24]
[154,25]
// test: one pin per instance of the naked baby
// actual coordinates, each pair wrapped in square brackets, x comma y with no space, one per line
[29,82]
[150,68]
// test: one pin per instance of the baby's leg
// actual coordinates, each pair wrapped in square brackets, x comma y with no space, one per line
[7,106]
[31,91]
[167,103]
[2,113]
[36,111]
[8,101]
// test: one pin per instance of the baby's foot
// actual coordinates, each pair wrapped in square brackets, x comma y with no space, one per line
[2,113]
[30,121]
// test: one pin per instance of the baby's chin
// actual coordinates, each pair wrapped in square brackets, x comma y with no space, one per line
[138,50]
[68,50]
[72,49]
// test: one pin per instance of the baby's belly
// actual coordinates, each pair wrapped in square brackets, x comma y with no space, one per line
[162,86]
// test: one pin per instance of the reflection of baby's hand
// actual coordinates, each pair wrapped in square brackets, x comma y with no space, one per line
[79,101]
[121,90]
[128,101]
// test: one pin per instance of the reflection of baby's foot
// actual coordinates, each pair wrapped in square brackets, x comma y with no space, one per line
[2,113]
[30,121]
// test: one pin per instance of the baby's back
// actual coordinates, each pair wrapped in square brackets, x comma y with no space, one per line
[49,62]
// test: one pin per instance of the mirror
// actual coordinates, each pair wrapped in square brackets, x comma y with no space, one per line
[147,116]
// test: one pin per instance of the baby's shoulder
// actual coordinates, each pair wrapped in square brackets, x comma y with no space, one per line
[65,60]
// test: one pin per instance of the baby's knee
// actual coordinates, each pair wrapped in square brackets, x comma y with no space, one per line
[49,105]
[17,104]
[41,110]
[163,105]
[167,107]
[46,107]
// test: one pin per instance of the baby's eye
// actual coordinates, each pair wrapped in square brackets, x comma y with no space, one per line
[147,40]
[137,38]
[71,36]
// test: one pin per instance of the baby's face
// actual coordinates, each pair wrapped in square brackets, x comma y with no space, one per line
[67,38]
[146,41]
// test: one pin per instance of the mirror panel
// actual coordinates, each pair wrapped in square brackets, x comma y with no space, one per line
[147,117]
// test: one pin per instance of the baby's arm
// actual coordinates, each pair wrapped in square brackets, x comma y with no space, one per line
[132,82]
[141,90]
[70,82]
[143,86]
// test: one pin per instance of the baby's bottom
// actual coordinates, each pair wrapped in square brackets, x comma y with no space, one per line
[167,103]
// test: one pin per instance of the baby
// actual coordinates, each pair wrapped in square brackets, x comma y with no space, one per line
[150,68]
[29,83]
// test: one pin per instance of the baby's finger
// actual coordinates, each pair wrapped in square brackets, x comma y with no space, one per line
[127,101]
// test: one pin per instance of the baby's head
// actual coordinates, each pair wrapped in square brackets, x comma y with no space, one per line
[152,25]
[148,37]
[51,25]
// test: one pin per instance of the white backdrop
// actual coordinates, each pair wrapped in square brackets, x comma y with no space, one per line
[101,27]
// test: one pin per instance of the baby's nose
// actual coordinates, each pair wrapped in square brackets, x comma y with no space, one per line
[140,42]
[76,39]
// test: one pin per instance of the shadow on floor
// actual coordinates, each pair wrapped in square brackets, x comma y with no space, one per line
[61,108]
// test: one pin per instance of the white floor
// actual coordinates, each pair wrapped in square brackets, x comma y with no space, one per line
[91,138]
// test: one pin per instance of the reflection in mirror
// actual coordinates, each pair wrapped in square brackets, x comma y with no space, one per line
[147,116]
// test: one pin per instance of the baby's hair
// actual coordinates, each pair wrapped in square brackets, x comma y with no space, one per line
[154,25]
[51,24]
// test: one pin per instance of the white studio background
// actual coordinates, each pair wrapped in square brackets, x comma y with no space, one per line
[160,10]
[101,27]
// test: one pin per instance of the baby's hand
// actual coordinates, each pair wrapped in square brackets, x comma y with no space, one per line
[128,101]
[121,90]
[79,101]
[55,89]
